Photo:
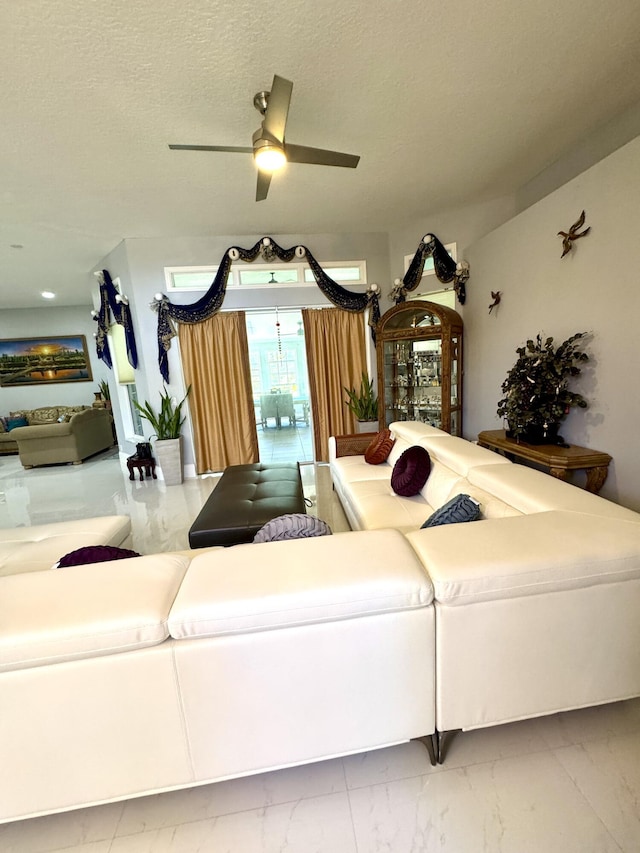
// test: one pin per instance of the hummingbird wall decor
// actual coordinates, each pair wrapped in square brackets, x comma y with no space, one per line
[572,234]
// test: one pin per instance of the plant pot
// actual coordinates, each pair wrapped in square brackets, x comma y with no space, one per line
[535,434]
[366,426]
[169,457]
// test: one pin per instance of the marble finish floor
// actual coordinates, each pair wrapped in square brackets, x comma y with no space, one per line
[160,515]
[289,443]
[567,783]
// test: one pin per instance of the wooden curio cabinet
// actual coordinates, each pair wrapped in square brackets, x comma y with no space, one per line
[419,353]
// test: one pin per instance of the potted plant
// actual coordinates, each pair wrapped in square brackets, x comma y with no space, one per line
[536,391]
[167,426]
[363,404]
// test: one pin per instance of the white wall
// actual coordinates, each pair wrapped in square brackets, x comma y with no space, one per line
[601,142]
[594,288]
[462,226]
[32,322]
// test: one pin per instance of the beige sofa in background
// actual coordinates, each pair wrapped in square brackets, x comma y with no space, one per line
[8,444]
[34,417]
[46,441]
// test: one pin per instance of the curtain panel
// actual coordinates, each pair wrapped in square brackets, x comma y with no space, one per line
[336,358]
[215,360]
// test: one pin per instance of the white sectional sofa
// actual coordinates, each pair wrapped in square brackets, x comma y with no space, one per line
[142,675]
[172,670]
[537,605]
[38,548]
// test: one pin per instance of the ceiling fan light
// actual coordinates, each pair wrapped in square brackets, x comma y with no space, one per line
[269,158]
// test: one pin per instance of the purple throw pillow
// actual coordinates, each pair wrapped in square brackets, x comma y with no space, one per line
[95,554]
[411,471]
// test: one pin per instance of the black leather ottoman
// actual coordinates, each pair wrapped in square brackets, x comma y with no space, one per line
[246,497]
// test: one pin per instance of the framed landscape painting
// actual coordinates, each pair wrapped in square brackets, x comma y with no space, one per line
[44,361]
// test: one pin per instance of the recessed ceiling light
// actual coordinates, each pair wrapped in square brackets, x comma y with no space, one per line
[47,294]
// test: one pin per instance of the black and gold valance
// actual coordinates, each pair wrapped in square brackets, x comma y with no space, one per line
[445,268]
[113,303]
[211,302]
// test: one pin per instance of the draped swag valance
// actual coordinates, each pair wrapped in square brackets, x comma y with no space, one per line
[445,268]
[112,302]
[211,302]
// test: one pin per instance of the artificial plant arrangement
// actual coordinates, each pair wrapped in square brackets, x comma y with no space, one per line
[363,403]
[536,393]
[167,423]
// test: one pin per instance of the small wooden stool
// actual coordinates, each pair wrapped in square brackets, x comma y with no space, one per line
[144,466]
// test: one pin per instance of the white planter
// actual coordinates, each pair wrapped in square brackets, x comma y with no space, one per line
[366,426]
[169,457]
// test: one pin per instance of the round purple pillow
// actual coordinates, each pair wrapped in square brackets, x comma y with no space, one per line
[411,471]
[95,554]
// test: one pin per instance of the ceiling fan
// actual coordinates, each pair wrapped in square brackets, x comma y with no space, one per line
[269,149]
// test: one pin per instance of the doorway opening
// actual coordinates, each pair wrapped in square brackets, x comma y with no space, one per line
[280,385]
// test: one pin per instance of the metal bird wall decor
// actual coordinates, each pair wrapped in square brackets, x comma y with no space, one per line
[572,234]
[496,296]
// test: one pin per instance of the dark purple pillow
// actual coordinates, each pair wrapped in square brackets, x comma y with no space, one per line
[411,471]
[95,554]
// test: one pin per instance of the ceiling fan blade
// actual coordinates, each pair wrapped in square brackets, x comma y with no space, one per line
[235,149]
[275,118]
[320,156]
[264,179]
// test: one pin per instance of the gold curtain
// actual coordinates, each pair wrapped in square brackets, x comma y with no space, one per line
[215,360]
[336,359]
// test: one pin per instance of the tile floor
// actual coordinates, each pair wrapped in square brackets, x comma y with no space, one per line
[289,443]
[568,783]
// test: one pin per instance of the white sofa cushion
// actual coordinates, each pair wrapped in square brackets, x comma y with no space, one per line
[414,431]
[399,447]
[86,611]
[461,455]
[256,587]
[533,491]
[527,555]
[440,484]
[38,548]
[377,506]
[350,469]
[490,505]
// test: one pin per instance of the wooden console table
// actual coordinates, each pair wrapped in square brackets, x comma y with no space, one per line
[559,460]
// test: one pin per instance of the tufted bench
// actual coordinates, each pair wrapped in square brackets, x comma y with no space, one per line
[246,497]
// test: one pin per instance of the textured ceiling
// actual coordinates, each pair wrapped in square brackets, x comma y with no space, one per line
[447,104]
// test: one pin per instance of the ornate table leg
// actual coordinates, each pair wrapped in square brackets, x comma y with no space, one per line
[558,473]
[596,478]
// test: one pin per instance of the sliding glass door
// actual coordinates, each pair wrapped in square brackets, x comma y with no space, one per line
[280,385]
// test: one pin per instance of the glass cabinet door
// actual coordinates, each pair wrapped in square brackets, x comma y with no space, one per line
[419,365]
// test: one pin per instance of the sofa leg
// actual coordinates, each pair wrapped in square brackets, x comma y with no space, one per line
[430,742]
[443,740]
[437,745]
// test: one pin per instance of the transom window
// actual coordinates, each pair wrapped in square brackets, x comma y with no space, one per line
[245,276]
[429,268]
